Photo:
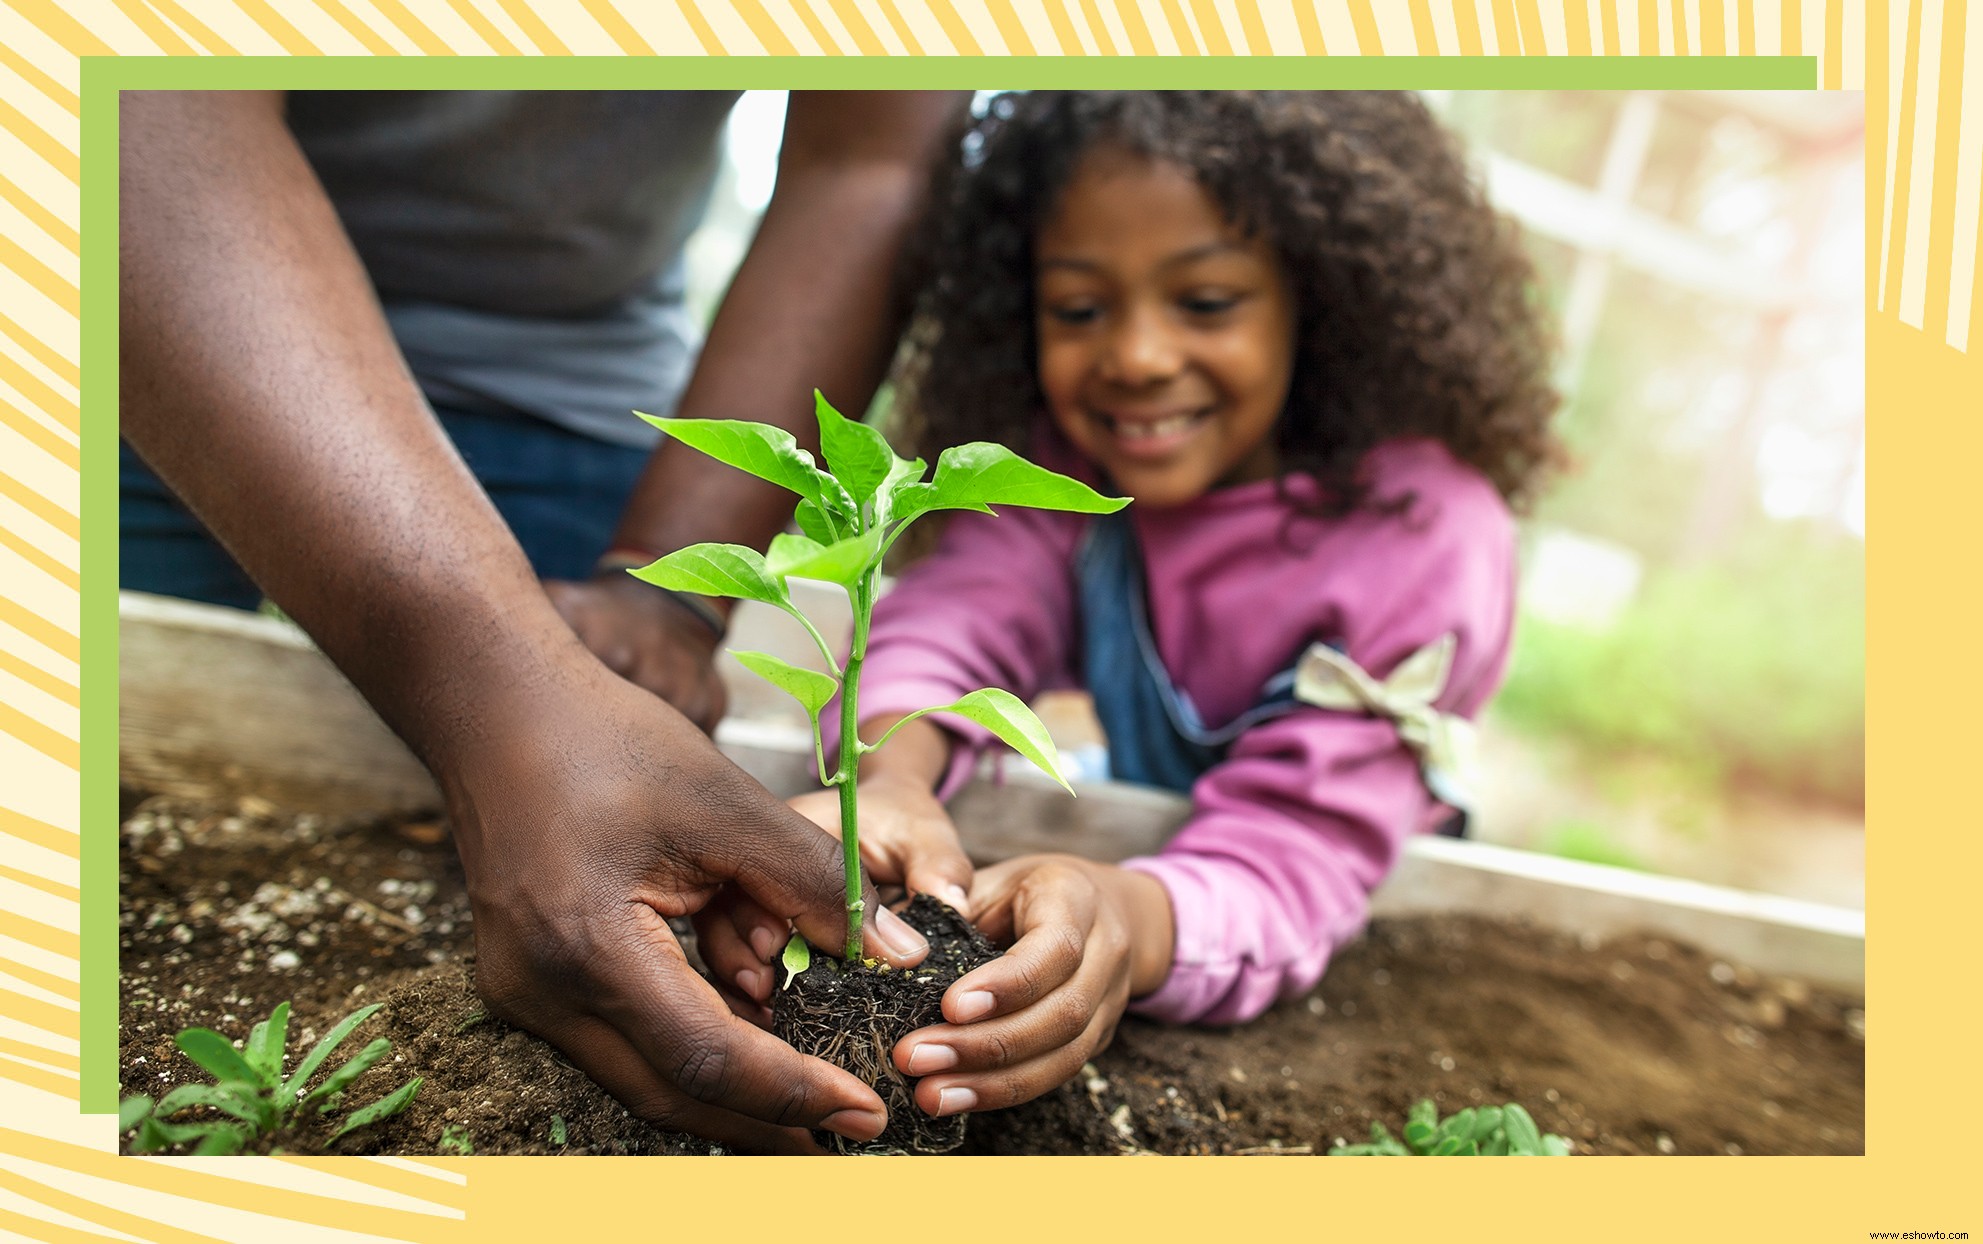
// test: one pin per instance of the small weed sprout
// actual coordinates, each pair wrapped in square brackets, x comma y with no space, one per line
[1482,1131]
[850,515]
[456,1140]
[250,1093]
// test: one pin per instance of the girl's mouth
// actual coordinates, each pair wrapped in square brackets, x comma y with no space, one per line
[1152,436]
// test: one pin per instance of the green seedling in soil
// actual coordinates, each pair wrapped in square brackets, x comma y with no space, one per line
[851,512]
[456,1140]
[1478,1131]
[252,1100]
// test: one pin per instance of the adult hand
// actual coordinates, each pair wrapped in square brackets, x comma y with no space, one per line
[587,814]
[907,839]
[1085,938]
[648,638]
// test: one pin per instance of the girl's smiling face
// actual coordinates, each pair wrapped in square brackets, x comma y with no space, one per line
[1165,334]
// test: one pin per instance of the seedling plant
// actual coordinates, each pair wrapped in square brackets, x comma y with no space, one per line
[257,1103]
[1482,1131]
[850,512]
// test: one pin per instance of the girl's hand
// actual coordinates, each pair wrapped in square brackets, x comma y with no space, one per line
[1086,937]
[907,839]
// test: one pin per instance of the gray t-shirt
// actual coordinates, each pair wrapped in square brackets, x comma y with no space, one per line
[527,244]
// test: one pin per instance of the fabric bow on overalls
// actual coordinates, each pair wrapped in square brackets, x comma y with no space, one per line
[1443,743]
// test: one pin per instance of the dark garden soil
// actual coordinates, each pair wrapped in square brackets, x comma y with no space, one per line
[1629,1045]
[852,1015]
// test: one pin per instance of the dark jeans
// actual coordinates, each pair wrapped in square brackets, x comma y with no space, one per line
[560,493]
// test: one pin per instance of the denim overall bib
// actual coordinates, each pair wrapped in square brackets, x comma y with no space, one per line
[1156,736]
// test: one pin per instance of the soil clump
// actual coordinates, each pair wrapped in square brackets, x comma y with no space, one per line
[852,1015]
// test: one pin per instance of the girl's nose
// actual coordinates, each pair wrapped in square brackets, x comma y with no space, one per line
[1141,350]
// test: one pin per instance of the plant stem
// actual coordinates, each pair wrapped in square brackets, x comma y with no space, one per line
[861,596]
[850,839]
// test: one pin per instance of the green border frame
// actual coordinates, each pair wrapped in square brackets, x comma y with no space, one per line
[103,77]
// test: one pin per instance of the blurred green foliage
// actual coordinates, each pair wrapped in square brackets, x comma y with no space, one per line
[1587,841]
[1748,669]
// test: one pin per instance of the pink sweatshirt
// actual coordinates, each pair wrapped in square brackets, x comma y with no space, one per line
[1307,813]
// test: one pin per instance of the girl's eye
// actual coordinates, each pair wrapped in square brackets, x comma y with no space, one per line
[1209,304]
[1074,313]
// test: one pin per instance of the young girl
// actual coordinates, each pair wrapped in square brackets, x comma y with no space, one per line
[1290,328]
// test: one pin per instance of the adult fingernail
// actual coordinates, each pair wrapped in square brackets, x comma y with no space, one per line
[752,983]
[959,902]
[974,1005]
[855,1124]
[930,1057]
[895,935]
[764,942]
[955,1101]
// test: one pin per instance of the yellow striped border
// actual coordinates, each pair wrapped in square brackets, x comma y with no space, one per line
[59,1178]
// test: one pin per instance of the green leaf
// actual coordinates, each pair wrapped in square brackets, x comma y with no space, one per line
[152,1136]
[337,1081]
[240,1100]
[1524,1137]
[1424,1111]
[1006,715]
[814,522]
[857,454]
[155,1134]
[981,474]
[131,1112]
[797,958]
[759,449]
[322,1050]
[384,1108]
[1495,1146]
[265,1042]
[903,474]
[221,1141]
[1419,1134]
[1554,1146]
[216,1053]
[716,570]
[1486,1122]
[1458,1125]
[810,688]
[1453,1147]
[558,1133]
[842,562]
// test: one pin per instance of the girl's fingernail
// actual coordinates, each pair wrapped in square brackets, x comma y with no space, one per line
[764,942]
[895,935]
[959,902]
[974,1005]
[930,1057]
[855,1124]
[955,1101]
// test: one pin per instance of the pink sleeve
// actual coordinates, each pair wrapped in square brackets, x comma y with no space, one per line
[1309,811]
[993,606]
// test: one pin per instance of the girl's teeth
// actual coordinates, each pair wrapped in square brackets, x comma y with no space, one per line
[1150,431]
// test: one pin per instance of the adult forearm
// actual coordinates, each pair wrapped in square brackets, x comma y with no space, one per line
[260,381]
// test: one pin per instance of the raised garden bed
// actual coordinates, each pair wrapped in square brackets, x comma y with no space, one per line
[1625,1041]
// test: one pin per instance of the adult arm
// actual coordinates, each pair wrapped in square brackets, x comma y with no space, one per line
[811,308]
[260,381]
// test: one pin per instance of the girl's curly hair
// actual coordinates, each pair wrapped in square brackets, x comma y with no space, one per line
[1413,295]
